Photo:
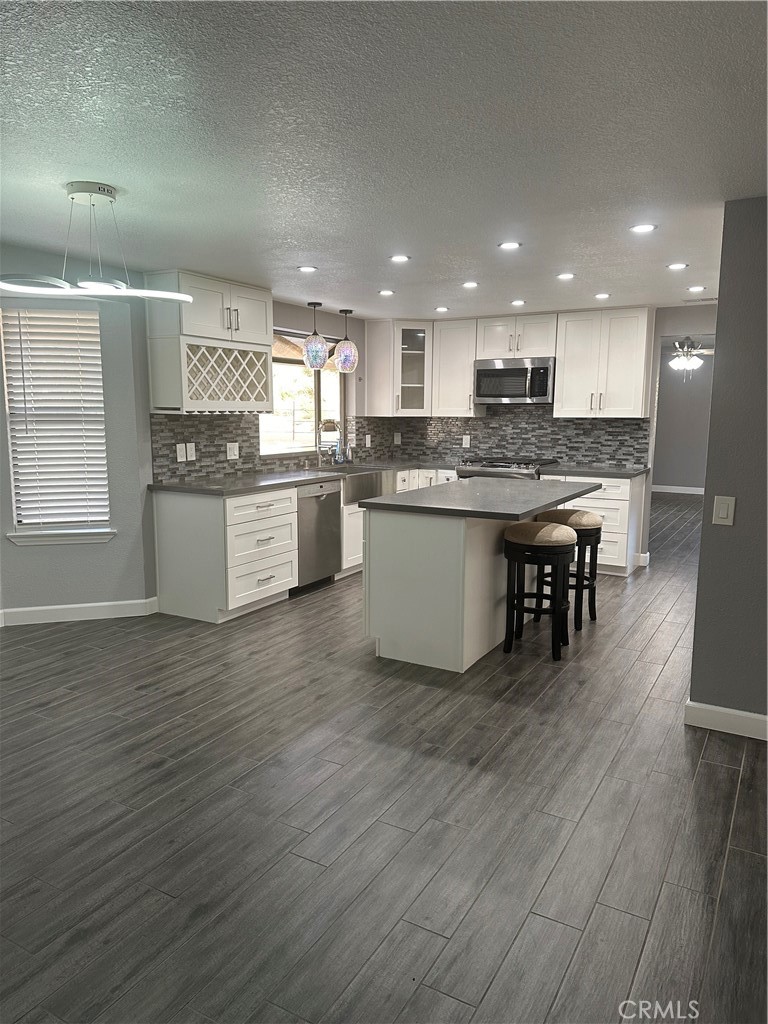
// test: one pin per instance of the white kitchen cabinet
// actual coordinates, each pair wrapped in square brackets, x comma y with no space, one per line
[427,477]
[603,364]
[402,480]
[220,310]
[496,338]
[352,536]
[453,361]
[413,479]
[220,557]
[535,335]
[379,367]
[446,476]
[413,368]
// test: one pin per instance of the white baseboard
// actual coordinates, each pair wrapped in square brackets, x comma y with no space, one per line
[76,612]
[740,723]
[643,558]
[676,490]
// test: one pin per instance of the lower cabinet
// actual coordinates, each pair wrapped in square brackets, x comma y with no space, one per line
[220,557]
[427,477]
[446,476]
[351,536]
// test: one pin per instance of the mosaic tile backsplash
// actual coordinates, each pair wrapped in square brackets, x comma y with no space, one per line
[502,434]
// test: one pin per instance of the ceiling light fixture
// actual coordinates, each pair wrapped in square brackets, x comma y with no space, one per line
[315,346]
[687,359]
[565,277]
[676,266]
[94,195]
[307,270]
[386,291]
[469,284]
[441,309]
[643,229]
[697,288]
[518,302]
[603,295]
[509,245]
[345,353]
[399,259]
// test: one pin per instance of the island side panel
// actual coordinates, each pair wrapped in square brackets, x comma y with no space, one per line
[485,588]
[414,587]
[189,539]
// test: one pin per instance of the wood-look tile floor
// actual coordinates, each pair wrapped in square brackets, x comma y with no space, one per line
[262,822]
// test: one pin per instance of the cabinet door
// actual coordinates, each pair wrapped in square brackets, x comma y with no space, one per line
[453,359]
[402,480]
[496,338]
[446,476]
[226,377]
[413,479]
[251,315]
[578,354]
[622,370]
[536,335]
[352,536]
[209,315]
[427,477]
[413,368]
[379,372]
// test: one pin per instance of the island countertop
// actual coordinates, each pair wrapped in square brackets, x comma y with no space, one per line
[482,498]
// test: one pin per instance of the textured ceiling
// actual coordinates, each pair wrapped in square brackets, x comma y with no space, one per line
[250,138]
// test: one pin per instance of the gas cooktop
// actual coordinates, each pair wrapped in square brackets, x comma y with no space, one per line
[518,467]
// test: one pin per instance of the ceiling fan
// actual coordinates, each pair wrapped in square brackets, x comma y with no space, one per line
[688,353]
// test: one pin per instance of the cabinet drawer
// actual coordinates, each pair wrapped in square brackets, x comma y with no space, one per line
[248,507]
[446,476]
[612,549]
[614,513]
[263,578]
[402,480]
[261,538]
[610,488]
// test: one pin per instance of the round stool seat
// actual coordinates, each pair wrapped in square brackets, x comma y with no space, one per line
[534,534]
[574,518]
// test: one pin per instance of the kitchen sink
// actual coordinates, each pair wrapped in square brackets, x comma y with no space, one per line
[359,483]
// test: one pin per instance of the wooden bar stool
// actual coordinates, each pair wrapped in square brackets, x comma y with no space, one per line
[550,547]
[588,528]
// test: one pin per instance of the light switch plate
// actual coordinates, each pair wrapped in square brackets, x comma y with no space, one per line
[722,514]
[191,454]
[181,453]
[465,441]
[398,437]
[367,440]
[233,450]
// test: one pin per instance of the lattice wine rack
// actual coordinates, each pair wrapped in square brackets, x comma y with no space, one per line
[227,378]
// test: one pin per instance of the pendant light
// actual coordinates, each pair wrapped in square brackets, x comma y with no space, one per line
[315,346]
[96,195]
[345,353]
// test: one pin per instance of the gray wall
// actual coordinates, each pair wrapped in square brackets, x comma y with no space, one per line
[730,634]
[124,568]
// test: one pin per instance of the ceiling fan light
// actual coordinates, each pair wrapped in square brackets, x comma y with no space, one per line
[678,363]
[694,362]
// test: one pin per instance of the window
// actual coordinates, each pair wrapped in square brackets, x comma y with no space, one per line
[291,426]
[54,402]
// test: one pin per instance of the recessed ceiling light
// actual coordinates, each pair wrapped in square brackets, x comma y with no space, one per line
[399,259]
[565,277]
[509,245]
[603,295]
[643,229]
[307,270]
[676,266]
[441,309]
[697,288]
[518,302]
[386,291]
[470,284]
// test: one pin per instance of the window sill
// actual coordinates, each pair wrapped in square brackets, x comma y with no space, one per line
[96,535]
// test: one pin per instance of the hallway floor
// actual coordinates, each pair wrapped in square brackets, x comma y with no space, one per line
[262,822]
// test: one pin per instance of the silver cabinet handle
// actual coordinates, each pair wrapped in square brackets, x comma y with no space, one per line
[397,403]
[228,313]
[469,401]
[592,400]
[263,540]
[519,337]
[237,319]
[265,579]
[269,504]
[600,402]
[511,343]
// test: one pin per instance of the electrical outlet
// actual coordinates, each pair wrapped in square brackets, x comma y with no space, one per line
[367,440]
[181,453]
[191,454]
[398,437]
[233,450]
[465,441]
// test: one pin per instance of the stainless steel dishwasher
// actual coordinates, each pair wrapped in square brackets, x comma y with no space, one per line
[319,531]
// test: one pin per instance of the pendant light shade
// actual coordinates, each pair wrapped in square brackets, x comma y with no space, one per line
[95,195]
[315,346]
[685,358]
[346,354]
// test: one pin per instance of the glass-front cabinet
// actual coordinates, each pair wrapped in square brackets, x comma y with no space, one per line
[413,368]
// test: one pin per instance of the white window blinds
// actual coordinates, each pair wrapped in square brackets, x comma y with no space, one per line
[55,406]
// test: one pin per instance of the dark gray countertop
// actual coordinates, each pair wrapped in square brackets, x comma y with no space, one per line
[246,483]
[582,469]
[482,498]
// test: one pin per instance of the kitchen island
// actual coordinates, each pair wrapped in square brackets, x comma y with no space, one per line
[434,567]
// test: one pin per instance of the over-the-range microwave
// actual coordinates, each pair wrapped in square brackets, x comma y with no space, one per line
[514,381]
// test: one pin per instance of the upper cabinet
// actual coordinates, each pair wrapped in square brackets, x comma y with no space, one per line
[453,357]
[603,363]
[517,337]
[413,368]
[213,354]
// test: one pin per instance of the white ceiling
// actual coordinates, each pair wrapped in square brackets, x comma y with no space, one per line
[250,138]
